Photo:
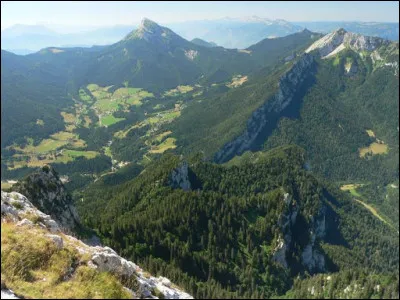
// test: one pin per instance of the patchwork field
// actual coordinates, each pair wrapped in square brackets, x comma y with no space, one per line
[66,146]
[63,156]
[336,61]
[106,102]
[109,120]
[68,117]
[159,137]
[156,119]
[169,143]
[56,141]
[352,188]
[181,89]
[84,96]
[51,150]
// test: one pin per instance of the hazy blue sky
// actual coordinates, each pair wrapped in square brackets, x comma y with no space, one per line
[86,13]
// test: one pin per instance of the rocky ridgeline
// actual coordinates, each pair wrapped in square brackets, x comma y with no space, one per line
[340,39]
[16,208]
[383,53]
[289,83]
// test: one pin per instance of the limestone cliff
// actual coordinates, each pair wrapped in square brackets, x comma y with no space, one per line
[289,84]
[383,53]
[180,177]
[340,39]
[311,257]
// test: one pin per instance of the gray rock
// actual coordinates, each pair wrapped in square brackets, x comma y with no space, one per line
[103,258]
[46,191]
[311,257]
[109,261]
[25,222]
[336,41]
[180,177]
[57,240]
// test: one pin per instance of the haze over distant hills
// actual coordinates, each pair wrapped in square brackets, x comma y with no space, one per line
[227,32]
[25,39]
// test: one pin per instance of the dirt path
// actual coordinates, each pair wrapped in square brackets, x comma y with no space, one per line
[352,189]
[373,211]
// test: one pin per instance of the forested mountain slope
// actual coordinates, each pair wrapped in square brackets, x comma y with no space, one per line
[339,101]
[241,230]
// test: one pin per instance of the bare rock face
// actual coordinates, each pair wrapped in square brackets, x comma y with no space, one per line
[288,85]
[46,191]
[148,30]
[16,207]
[180,177]
[107,260]
[350,69]
[312,259]
[191,54]
[286,221]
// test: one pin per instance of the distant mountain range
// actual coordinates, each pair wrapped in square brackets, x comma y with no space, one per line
[25,39]
[388,31]
[227,32]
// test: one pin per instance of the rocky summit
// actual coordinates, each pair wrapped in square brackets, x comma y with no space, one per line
[340,39]
[151,32]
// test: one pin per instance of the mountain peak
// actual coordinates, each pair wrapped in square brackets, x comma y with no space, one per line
[340,31]
[148,24]
[149,30]
[156,35]
[340,39]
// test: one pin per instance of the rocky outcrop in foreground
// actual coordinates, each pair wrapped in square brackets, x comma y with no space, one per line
[46,191]
[17,210]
